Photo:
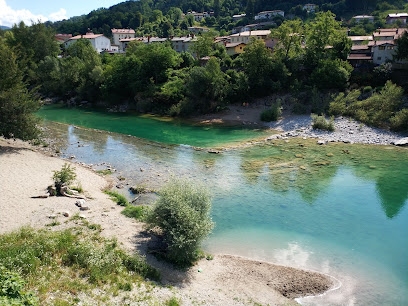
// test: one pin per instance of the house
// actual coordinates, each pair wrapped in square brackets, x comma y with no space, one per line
[378,50]
[235,48]
[62,38]
[99,41]
[252,27]
[362,18]
[198,29]
[245,37]
[360,56]
[382,51]
[310,8]
[183,43]
[269,14]
[179,44]
[361,40]
[388,34]
[200,16]
[391,18]
[238,17]
[118,34]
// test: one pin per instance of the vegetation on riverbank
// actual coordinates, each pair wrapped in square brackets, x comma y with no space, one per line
[155,78]
[182,214]
[65,264]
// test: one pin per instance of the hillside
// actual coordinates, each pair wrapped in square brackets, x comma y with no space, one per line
[164,18]
[4,27]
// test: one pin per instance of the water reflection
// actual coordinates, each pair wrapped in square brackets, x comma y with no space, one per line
[341,197]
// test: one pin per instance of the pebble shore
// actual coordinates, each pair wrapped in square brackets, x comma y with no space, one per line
[346,130]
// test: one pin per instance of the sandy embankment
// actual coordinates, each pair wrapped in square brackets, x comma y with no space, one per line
[226,280]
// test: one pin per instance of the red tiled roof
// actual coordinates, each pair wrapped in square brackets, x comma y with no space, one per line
[87,36]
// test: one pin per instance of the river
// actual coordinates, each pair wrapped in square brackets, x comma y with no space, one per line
[339,209]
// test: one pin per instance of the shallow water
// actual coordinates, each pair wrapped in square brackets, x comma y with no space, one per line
[154,128]
[339,209]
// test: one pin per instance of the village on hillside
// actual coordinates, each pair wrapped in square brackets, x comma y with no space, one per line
[375,49]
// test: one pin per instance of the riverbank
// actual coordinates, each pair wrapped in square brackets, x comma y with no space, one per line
[225,280]
[289,125]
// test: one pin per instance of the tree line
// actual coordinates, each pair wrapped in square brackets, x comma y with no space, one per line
[309,58]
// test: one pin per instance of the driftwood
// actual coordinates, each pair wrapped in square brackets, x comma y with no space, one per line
[64,191]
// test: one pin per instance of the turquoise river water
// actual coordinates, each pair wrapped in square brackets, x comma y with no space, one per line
[339,209]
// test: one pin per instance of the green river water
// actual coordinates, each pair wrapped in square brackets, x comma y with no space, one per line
[339,209]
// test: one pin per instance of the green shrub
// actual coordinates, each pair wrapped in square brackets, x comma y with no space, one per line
[117,197]
[12,289]
[367,89]
[341,103]
[65,176]
[320,122]
[183,214]
[399,122]
[136,212]
[47,258]
[173,302]
[272,114]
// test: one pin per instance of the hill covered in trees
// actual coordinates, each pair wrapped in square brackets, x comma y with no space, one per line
[164,17]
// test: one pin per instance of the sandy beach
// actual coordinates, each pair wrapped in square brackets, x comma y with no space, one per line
[225,280]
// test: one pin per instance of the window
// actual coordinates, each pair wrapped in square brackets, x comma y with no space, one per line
[390,48]
[381,48]
[379,58]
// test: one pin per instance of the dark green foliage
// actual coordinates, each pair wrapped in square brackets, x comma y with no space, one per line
[272,114]
[399,122]
[402,47]
[265,75]
[117,197]
[331,74]
[377,110]
[31,45]
[17,104]
[183,215]
[320,122]
[12,289]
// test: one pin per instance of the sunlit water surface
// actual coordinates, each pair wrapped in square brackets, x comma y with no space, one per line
[338,209]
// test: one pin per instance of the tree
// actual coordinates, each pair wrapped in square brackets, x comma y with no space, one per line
[203,45]
[402,47]
[264,74]
[331,74]
[250,9]
[17,104]
[205,87]
[183,215]
[320,34]
[31,45]
[289,36]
